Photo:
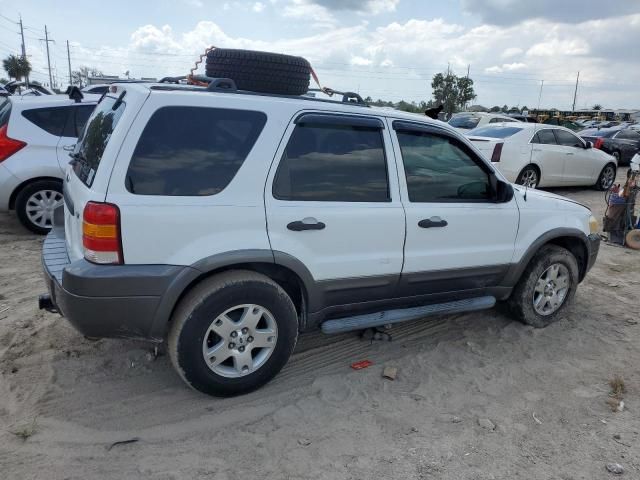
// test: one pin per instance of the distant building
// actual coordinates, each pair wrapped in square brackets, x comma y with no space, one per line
[114,79]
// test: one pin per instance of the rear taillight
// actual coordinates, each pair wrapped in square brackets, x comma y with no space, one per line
[497,152]
[598,143]
[101,233]
[8,145]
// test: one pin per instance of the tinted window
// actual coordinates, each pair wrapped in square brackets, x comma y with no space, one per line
[464,121]
[628,135]
[331,163]
[100,90]
[52,119]
[83,113]
[95,137]
[440,169]
[495,132]
[594,132]
[567,139]
[545,137]
[192,151]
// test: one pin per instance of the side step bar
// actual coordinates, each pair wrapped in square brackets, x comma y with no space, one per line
[389,317]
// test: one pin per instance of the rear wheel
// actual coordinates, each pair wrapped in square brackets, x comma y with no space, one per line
[36,203]
[606,177]
[546,286]
[232,333]
[529,177]
[616,155]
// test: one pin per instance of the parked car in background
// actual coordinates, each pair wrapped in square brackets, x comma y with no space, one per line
[470,120]
[571,125]
[538,155]
[35,135]
[523,118]
[623,144]
[96,89]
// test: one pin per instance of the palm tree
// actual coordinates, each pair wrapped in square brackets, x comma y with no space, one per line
[16,66]
[597,106]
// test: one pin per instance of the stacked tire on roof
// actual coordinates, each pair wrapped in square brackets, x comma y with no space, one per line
[262,72]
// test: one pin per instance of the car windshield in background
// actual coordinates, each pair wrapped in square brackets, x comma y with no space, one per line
[594,132]
[494,132]
[95,137]
[464,121]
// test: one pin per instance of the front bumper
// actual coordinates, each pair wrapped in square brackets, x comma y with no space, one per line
[593,247]
[117,301]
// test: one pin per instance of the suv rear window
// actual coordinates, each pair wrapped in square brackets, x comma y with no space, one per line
[494,132]
[5,111]
[192,151]
[95,137]
[50,119]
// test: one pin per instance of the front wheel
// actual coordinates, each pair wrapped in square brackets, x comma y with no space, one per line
[232,333]
[606,177]
[546,286]
[529,177]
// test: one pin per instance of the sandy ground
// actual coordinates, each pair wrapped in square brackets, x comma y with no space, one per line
[545,391]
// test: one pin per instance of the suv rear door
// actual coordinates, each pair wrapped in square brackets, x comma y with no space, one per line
[458,238]
[333,204]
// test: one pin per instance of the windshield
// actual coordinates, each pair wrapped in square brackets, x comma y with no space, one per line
[494,132]
[95,137]
[464,121]
[598,133]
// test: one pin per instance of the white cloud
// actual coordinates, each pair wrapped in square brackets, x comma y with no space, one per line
[511,52]
[303,10]
[360,61]
[258,7]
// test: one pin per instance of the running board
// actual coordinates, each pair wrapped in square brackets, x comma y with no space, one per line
[389,317]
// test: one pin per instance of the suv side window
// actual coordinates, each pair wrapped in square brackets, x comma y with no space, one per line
[567,139]
[628,135]
[333,163]
[545,137]
[192,151]
[51,119]
[441,169]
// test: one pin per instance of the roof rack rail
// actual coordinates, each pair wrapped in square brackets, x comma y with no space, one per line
[347,97]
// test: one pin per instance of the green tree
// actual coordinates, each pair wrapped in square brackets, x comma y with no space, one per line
[495,109]
[451,91]
[597,106]
[505,108]
[81,76]
[16,66]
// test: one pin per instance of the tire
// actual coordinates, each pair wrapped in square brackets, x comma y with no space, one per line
[529,176]
[41,196]
[632,239]
[262,72]
[521,302]
[229,296]
[606,178]
[616,154]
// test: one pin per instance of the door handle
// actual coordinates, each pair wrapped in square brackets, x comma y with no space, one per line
[306,224]
[433,222]
[537,149]
[570,153]
[69,148]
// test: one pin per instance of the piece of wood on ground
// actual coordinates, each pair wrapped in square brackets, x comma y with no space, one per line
[390,373]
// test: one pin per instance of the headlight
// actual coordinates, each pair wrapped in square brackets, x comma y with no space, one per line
[593,225]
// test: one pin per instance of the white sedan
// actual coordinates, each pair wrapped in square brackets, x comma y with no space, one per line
[539,155]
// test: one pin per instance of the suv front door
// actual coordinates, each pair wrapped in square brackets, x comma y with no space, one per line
[333,204]
[458,238]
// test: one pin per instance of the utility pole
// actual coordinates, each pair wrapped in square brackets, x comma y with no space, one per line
[69,60]
[468,68]
[24,51]
[46,40]
[575,93]
[540,95]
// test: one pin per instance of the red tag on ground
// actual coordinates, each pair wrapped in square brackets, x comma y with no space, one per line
[361,364]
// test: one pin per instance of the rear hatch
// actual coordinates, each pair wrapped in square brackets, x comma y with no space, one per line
[87,176]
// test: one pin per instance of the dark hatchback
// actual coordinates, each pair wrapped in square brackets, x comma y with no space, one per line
[621,143]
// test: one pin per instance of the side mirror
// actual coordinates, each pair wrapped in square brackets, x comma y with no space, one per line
[588,144]
[502,191]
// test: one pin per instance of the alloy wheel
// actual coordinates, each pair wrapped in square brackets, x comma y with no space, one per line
[608,177]
[240,340]
[551,290]
[529,178]
[41,205]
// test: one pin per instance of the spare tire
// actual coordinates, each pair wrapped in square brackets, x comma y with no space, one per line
[262,72]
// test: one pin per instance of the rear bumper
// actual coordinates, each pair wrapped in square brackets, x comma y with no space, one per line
[593,247]
[118,301]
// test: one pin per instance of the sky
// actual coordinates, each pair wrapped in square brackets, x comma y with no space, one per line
[518,52]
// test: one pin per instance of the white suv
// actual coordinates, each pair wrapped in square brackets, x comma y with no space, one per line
[226,222]
[35,134]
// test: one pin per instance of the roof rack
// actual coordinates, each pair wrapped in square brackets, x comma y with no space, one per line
[228,85]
